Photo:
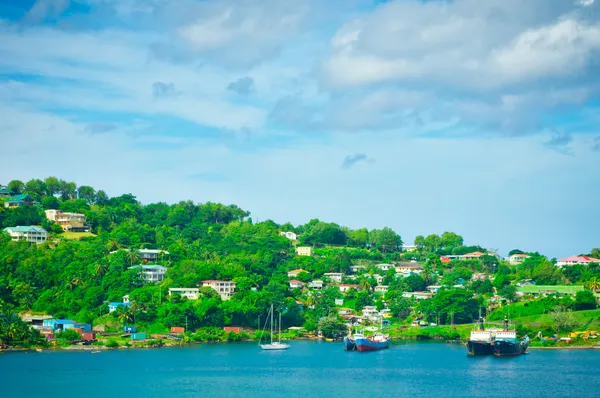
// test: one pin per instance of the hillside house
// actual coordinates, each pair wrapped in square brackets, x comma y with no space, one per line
[295,284]
[409,248]
[381,289]
[378,278]
[28,233]
[5,192]
[190,293]
[418,295]
[385,267]
[151,272]
[334,276]
[72,222]
[226,289]
[151,255]
[345,287]
[573,260]
[19,200]
[316,284]
[113,306]
[409,268]
[294,273]
[307,251]
[479,276]
[289,235]
[516,259]
[355,268]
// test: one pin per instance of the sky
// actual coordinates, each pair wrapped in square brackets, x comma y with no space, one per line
[477,117]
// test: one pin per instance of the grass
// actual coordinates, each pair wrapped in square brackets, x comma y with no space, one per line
[559,289]
[77,235]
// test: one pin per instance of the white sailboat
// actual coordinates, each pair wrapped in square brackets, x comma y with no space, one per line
[274,345]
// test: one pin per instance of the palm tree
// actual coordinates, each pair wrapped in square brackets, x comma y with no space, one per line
[100,269]
[594,284]
[133,256]
[365,285]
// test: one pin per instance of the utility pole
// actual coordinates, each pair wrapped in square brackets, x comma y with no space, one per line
[186,323]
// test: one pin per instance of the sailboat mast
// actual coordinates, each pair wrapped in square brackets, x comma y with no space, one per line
[271,323]
[279,335]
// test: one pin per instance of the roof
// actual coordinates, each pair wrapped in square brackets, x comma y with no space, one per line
[296,271]
[157,251]
[117,304]
[296,281]
[19,198]
[214,280]
[152,267]
[64,321]
[29,228]
[474,254]
[519,255]
[343,284]
[581,259]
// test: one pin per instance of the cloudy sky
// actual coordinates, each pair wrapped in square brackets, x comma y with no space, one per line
[478,117]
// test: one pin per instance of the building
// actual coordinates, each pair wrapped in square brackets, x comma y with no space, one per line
[409,248]
[370,312]
[190,293]
[434,288]
[344,288]
[19,200]
[385,267]
[289,235]
[59,324]
[294,273]
[29,233]
[151,273]
[517,259]
[307,251]
[5,192]
[445,259]
[226,289]
[334,276]
[355,268]
[73,222]
[411,268]
[316,284]
[36,321]
[479,276]
[152,254]
[378,278]
[381,289]
[472,256]
[295,284]
[418,295]
[541,290]
[112,307]
[339,301]
[573,260]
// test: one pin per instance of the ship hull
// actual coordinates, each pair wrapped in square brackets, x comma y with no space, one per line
[349,344]
[368,345]
[510,349]
[476,348]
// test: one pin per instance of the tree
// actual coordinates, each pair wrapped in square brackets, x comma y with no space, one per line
[433,242]
[419,241]
[36,188]
[386,240]
[101,197]
[50,202]
[515,251]
[16,186]
[52,186]
[332,327]
[87,193]
[595,253]
[359,237]
[450,240]
[594,284]
[509,292]
[585,300]
[563,320]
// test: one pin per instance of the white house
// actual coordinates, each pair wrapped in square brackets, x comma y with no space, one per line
[356,268]
[225,288]
[344,287]
[385,267]
[305,251]
[434,288]
[370,311]
[378,278]
[151,272]
[190,293]
[334,276]
[289,235]
[294,284]
[294,273]
[381,289]
[418,295]
[29,233]
[339,301]
[316,284]
[409,248]
[409,268]
[152,254]
[573,260]
[517,259]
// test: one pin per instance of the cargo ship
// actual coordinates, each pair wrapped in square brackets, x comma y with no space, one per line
[350,341]
[481,340]
[507,344]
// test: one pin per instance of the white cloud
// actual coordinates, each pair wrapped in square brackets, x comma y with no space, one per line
[43,9]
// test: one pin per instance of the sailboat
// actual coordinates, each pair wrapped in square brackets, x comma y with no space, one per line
[274,345]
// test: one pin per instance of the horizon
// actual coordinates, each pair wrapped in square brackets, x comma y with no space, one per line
[478,118]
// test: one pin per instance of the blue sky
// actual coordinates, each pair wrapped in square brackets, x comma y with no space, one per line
[478,117]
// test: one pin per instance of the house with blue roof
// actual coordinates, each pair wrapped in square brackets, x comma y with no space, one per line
[59,324]
[112,307]
[5,192]
[29,233]
[19,200]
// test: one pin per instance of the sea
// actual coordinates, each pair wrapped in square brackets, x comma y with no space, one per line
[307,369]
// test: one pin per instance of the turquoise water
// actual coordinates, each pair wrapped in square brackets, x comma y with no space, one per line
[311,369]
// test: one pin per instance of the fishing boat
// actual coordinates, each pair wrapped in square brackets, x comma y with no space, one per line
[273,345]
[481,340]
[507,344]
[378,341]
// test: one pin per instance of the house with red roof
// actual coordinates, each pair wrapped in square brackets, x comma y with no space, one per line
[294,284]
[294,273]
[573,260]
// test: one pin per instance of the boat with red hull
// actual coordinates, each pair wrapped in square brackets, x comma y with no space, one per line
[373,343]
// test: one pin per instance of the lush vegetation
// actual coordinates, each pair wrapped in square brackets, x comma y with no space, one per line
[76,277]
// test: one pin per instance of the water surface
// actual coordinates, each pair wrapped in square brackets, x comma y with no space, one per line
[314,369]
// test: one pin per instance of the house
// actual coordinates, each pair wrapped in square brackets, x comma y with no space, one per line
[418,295]
[573,260]
[479,276]
[445,259]
[58,324]
[385,267]
[381,289]
[29,233]
[126,298]
[370,312]
[345,311]
[294,273]
[307,251]
[36,321]
[410,268]
[316,284]
[409,248]
[226,289]
[289,235]
[295,284]
[151,273]
[378,278]
[19,200]
[344,287]
[355,268]
[517,259]
[234,329]
[73,222]
[334,276]
[5,192]
[151,254]
[112,307]
[541,290]
[434,288]
[339,301]
[190,293]
[472,256]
